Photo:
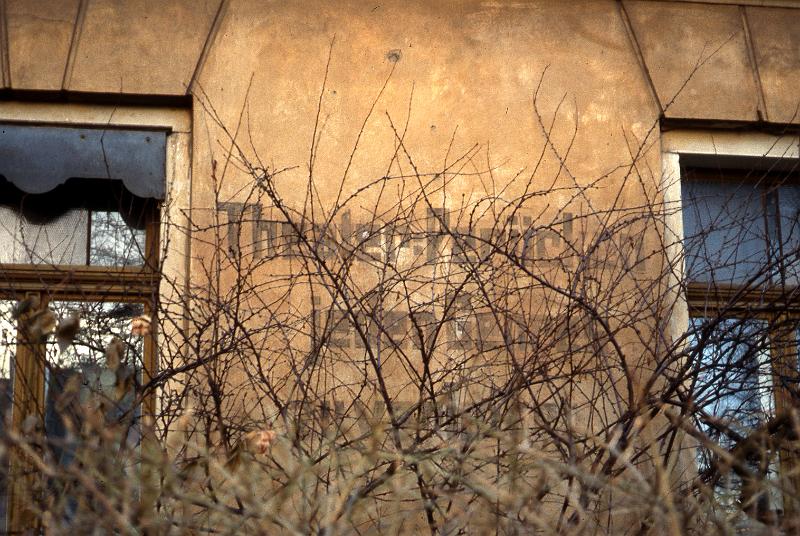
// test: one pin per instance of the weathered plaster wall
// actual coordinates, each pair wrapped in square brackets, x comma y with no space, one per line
[457,77]
[472,64]
[39,35]
[776,40]
[131,46]
[472,68]
[457,74]
[705,41]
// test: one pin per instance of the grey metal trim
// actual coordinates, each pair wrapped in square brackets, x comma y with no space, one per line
[637,51]
[5,67]
[38,158]
[209,42]
[77,29]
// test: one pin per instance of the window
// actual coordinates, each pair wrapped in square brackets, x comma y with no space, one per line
[82,222]
[741,227]
[79,228]
[741,240]
[735,394]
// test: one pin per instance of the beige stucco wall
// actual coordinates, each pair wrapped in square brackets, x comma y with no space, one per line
[473,66]
[150,47]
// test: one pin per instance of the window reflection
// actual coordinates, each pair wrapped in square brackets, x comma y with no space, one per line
[741,229]
[103,362]
[725,230]
[734,393]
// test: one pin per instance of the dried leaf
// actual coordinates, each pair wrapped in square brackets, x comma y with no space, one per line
[66,331]
[114,353]
[42,325]
[23,306]
[259,441]
[69,393]
[30,424]
[140,326]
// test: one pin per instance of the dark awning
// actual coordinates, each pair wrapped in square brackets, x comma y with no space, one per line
[38,158]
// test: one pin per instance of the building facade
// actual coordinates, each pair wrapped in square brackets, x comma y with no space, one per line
[542,253]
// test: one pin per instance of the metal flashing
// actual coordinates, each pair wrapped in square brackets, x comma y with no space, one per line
[37,158]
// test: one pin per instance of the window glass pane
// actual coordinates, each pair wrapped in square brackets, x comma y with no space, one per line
[101,375]
[113,242]
[81,222]
[725,232]
[734,394]
[52,239]
[734,381]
